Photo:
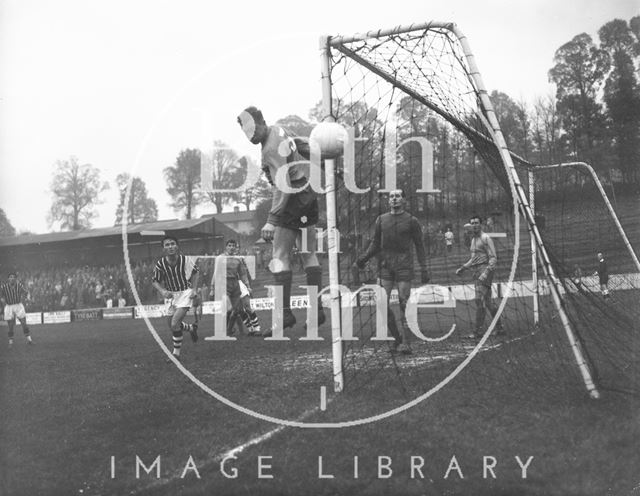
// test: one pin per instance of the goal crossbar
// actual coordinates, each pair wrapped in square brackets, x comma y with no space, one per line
[486,114]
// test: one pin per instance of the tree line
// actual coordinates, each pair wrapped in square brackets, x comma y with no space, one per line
[594,116]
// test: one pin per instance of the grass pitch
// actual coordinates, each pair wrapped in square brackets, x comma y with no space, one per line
[90,398]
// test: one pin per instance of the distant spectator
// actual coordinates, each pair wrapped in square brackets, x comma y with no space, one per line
[122,302]
[540,220]
[440,240]
[577,276]
[448,239]
[603,275]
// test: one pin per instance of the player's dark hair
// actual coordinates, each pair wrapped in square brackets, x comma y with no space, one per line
[476,217]
[231,241]
[256,113]
[168,237]
[404,195]
[12,273]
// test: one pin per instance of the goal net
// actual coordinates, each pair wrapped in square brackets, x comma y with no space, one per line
[420,120]
[580,224]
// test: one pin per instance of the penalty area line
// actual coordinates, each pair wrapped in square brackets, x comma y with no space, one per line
[233,452]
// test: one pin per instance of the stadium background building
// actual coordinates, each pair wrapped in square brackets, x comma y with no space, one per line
[103,246]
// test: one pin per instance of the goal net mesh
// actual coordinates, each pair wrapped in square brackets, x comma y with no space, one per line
[418,84]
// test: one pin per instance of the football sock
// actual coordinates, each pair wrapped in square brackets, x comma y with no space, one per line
[177,342]
[314,278]
[403,321]
[284,279]
[392,326]
[253,321]
[246,320]
[185,327]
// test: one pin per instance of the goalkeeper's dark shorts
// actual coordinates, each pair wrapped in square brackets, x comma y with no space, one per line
[399,273]
[233,289]
[301,211]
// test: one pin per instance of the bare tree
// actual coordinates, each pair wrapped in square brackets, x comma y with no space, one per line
[76,190]
[227,171]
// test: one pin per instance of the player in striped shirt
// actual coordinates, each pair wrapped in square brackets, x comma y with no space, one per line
[395,232]
[483,262]
[175,276]
[11,294]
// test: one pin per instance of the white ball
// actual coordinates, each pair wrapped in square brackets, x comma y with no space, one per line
[330,137]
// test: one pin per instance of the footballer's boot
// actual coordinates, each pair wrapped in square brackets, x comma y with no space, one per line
[177,357]
[476,336]
[321,316]
[405,349]
[500,330]
[194,332]
[254,327]
[288,321]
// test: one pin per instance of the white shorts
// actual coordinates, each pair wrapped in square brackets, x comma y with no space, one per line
[179,299]
[244,291]
[14,311]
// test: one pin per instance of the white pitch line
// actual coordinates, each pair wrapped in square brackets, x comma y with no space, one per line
[232,452]
[269,434]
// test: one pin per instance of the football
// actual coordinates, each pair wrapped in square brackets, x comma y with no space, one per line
[330,137]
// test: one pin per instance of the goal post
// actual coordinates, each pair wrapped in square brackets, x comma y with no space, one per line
[432,65]
[333,241]
[587,170]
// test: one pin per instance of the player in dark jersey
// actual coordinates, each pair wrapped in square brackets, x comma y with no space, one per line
[238,280]
[11,294]
[175,276]
[290,212]
[395,233]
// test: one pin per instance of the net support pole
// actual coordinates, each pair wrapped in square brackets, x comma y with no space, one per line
[332,231]
[605,198]
[534,253]
[554,283]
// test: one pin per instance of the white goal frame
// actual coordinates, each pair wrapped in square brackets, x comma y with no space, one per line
[491,122]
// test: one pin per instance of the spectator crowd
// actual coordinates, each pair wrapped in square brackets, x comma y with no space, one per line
[66,288]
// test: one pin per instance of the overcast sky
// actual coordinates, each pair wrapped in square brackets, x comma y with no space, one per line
[125,85]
